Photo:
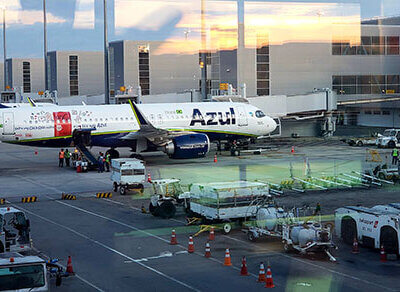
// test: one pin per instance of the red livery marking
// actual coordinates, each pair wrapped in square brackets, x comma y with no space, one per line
[62,124]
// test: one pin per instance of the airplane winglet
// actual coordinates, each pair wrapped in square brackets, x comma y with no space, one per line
[138,115]
[31,102]
[3,106]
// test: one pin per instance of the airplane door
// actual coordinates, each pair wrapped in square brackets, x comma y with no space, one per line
[8,123]
[62,124]
[241,116]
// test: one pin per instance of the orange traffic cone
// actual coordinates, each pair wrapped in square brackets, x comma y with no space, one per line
[261,273]
[227,258]
[215,158]
[149,177]
[173,238]
[355,246]
[208,250]
[269,282]
[292,149]
[191,245]
[70,270]
[243,270]
[383,254]
[212,235]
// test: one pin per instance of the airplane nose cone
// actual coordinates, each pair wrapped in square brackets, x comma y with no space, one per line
[273,124]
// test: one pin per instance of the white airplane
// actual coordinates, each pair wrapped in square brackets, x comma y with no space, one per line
[182,130]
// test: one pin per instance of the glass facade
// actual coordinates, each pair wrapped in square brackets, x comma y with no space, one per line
[26,77]
[262,59]
[369,45]
[144,69]
[366,84]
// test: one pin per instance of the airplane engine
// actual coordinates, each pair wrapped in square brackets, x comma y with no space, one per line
[188,146]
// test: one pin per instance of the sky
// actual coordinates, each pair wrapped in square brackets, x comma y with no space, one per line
[78,24]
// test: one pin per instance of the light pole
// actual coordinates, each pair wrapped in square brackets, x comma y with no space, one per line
[4,48]
[203,55]
[106,65]
[46,84]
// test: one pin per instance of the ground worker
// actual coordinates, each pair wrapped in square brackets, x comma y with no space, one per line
[317,209]
[395,156]
[101,160]
[108,160]
[67,155]
[61,156]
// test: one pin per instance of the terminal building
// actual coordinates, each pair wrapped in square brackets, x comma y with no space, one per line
[75,73]
[25,75]
[150,65]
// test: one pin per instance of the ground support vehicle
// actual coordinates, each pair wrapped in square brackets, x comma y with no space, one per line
[226,202]
[14,230]
[306,237]
[372,227]
[28,273]
[167,194]
[360,141]
[127,173]
[389,139]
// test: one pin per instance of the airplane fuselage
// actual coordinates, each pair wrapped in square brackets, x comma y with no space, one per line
[54,126]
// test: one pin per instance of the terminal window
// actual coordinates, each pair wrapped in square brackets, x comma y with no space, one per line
[26,76]
[73,75]
[144,70]
[262,66]
[368,45]
[366,84]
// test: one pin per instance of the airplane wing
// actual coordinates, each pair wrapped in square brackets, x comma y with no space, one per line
[155,135]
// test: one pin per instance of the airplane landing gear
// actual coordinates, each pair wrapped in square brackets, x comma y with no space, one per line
[113,153]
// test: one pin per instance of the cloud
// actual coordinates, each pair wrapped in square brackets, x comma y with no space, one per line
[84,15]
[30,17]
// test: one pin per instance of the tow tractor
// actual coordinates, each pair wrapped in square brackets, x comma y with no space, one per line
[372,227]
[14,230]
[127,173]
[167,193]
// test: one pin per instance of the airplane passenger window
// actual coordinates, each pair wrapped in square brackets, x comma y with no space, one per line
[260,114]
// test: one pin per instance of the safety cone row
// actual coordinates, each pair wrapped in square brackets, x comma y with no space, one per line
[208,250]
[191,245]
[355,246]
[70,270]
[261,273]
[269,282]
[215,158]
[383,257]
[173,241]
[227,261]
[212,234]
[243,270]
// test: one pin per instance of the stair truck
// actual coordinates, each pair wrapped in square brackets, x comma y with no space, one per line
[374,227]
[14,231]
[226,202]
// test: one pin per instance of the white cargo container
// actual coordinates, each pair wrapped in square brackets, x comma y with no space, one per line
[372,227]
[226,201]
[127,173]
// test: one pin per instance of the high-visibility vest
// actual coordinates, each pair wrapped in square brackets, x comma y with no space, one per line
[61,155]
[395,152]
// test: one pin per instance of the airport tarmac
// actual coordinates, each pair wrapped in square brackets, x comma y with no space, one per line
[114,247]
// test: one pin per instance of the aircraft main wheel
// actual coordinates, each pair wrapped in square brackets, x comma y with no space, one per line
[360,144]
[227,227]
[122,190]
[115,187]
[391,144]
[113,153]
[167,209]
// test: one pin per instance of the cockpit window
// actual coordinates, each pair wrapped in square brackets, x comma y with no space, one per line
[260,114]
